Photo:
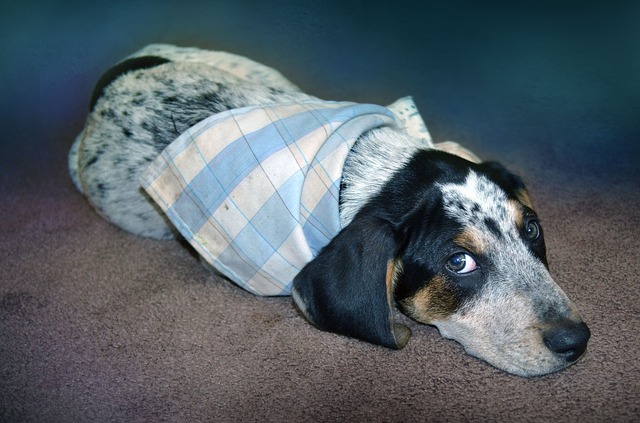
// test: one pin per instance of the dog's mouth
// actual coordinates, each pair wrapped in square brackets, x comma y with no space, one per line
[528,352]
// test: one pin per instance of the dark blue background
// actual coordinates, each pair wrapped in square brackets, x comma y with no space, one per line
[540,86]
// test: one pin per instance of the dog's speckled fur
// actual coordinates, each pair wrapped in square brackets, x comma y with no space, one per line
[410,215]
[142,111]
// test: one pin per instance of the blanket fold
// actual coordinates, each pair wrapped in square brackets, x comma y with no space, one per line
[255,190]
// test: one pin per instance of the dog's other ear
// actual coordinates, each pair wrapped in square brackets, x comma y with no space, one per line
[508,181]
[348,287]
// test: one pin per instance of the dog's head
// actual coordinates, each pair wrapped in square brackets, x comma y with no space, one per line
[456,245]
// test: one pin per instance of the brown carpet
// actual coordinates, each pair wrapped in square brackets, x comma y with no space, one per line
[99,325]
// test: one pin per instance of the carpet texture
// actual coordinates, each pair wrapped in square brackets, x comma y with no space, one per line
[100,325]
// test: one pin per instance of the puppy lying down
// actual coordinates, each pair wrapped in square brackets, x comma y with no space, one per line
[350,208]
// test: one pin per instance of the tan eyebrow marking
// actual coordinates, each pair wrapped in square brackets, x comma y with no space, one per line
[523,196]
[472,240]
[515,210]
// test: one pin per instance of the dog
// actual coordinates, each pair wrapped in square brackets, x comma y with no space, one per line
[428,228]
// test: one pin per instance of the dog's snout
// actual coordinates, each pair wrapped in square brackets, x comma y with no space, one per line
[568,339]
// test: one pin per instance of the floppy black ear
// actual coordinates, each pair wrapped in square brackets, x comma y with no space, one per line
[348,287]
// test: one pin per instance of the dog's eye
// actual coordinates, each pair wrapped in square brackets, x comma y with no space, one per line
[461,263]
[533,230]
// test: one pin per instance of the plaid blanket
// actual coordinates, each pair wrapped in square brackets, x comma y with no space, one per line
[255,190]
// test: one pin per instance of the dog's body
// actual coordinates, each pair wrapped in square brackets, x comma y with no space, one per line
[455,243]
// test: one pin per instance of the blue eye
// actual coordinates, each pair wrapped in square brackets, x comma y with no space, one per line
[461,263]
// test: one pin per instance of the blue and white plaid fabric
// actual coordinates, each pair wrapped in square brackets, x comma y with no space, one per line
[255,190]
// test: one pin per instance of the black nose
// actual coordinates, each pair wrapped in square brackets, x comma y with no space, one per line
[568,338]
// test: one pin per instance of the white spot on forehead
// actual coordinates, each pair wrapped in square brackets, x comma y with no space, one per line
[476,199]
[475,187]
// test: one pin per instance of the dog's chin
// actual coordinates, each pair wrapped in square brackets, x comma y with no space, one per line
[518,367]
[527,357]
